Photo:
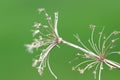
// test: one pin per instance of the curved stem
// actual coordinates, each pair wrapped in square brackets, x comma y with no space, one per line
[43,56]
[92,40]
[51,69]
[82,63]
[79,40]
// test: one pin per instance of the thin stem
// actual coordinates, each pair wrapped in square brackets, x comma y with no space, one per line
[116,65]
[77,37]
[103,46]
[55,23]
[89,65]
[97,67]
[110,45]
[109,65]
[73,59]
[81,49]
[117,52]
[92,46]
[100,71]
[98,52]
[82,63]
[92,40]
[91,54]
[99,41]
[50,37]
[51,69]
[96,70]
[44,54]
[49,21]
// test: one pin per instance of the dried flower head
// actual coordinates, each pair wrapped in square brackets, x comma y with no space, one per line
[44,35]
[101,50]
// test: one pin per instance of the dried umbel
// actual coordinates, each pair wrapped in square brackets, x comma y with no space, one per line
[102,49]
[46,35]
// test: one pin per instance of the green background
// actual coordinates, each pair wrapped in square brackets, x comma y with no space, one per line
[17,18]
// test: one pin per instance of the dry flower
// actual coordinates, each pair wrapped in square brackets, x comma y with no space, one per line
[47,36]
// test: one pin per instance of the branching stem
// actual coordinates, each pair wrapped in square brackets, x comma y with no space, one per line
[117,66]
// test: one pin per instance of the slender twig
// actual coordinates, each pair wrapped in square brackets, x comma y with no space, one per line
[100,70]
[96,70]
[90,65]
[82,49]
[82,63]
[103,46]
[78,39]
[50,68]
[92,38]
[56,22]
[92,46]
[99,41]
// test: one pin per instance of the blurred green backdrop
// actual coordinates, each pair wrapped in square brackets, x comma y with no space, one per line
[17,18]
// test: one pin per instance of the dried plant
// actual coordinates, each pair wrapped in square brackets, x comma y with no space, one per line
[101,53]
[47,35]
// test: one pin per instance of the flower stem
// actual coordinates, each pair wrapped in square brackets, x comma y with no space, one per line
[117,66]
[81,49]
